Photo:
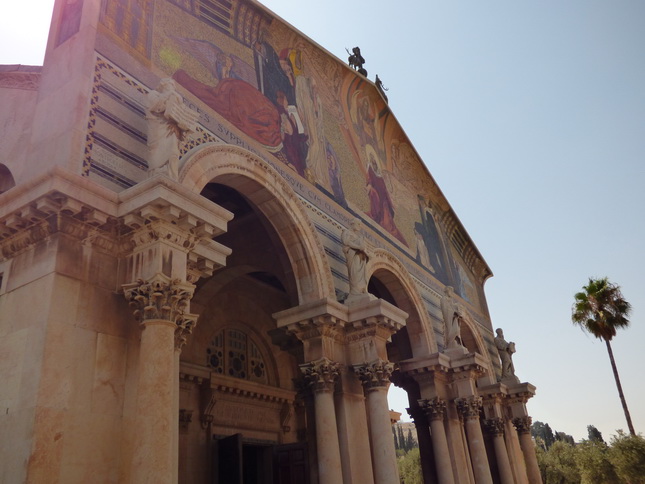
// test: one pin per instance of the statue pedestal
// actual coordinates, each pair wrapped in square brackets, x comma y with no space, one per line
[356,299]
[455,351]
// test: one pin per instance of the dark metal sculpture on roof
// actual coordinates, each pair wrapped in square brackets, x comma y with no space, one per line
[356,60]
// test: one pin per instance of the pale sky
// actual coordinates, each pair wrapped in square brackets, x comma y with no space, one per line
[531,118]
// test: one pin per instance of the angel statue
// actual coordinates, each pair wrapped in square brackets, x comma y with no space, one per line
[169,121]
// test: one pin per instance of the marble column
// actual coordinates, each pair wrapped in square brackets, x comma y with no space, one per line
[469,408]
[435,410]
[321,375]
[495,428]
[375,377]
[523,426]
[161,308]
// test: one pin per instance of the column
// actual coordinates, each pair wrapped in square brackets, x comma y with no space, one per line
[435,410]
[523,426]
[321,376]
[495,428]
[161,308]
[376,380]
[469,408]
[425,443]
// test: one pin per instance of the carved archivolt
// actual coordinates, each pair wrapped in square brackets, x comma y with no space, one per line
[221,163]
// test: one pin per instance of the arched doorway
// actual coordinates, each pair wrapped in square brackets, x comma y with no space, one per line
[246,423]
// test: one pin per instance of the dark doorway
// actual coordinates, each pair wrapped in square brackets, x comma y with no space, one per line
[236,461]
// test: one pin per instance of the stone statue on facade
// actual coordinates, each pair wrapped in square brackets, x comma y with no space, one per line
[505,350]
[356,60]
[355,250]
[169,121]
[452,317]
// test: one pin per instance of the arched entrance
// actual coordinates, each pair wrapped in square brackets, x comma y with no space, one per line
[243,418]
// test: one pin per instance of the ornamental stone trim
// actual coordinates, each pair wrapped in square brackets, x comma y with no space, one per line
[469,408]
[321,375]
[434,408]
[375,375]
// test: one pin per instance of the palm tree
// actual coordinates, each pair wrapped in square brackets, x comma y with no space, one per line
[601,309]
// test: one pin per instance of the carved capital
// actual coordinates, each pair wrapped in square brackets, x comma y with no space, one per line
[375,375]
[161,298]
[185,325]
[320,375]
[469,408]
[434,408]
[494,426]
[522,424]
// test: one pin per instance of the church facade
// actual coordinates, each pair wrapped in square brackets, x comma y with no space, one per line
[218,250]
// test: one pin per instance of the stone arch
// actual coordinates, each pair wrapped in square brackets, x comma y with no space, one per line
[264,186]
[6,178]
[391,272]
[473,340]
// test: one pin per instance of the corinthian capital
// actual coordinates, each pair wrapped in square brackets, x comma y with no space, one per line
[522,424]
[469,407]
[160,298]
[494,426]
[434,408]
[320,375]
[375,375]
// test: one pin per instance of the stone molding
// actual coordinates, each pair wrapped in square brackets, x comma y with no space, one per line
[522,424]
[469,408]
[375,375]
[434,408]
[494,426]
[418,415]
[321,375]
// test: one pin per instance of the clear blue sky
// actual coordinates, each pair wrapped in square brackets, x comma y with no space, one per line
[531,117]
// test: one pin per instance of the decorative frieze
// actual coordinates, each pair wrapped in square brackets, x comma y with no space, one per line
[434,408]
[375,375]
[469,408]
[320,375]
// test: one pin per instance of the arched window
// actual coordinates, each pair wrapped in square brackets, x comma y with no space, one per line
[233,353]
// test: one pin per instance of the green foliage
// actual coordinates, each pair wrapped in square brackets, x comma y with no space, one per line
[627,454]
[562,437]
[558,464]
[594,434]
[410,467]
[593,463]
[542,431]
[600,309]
